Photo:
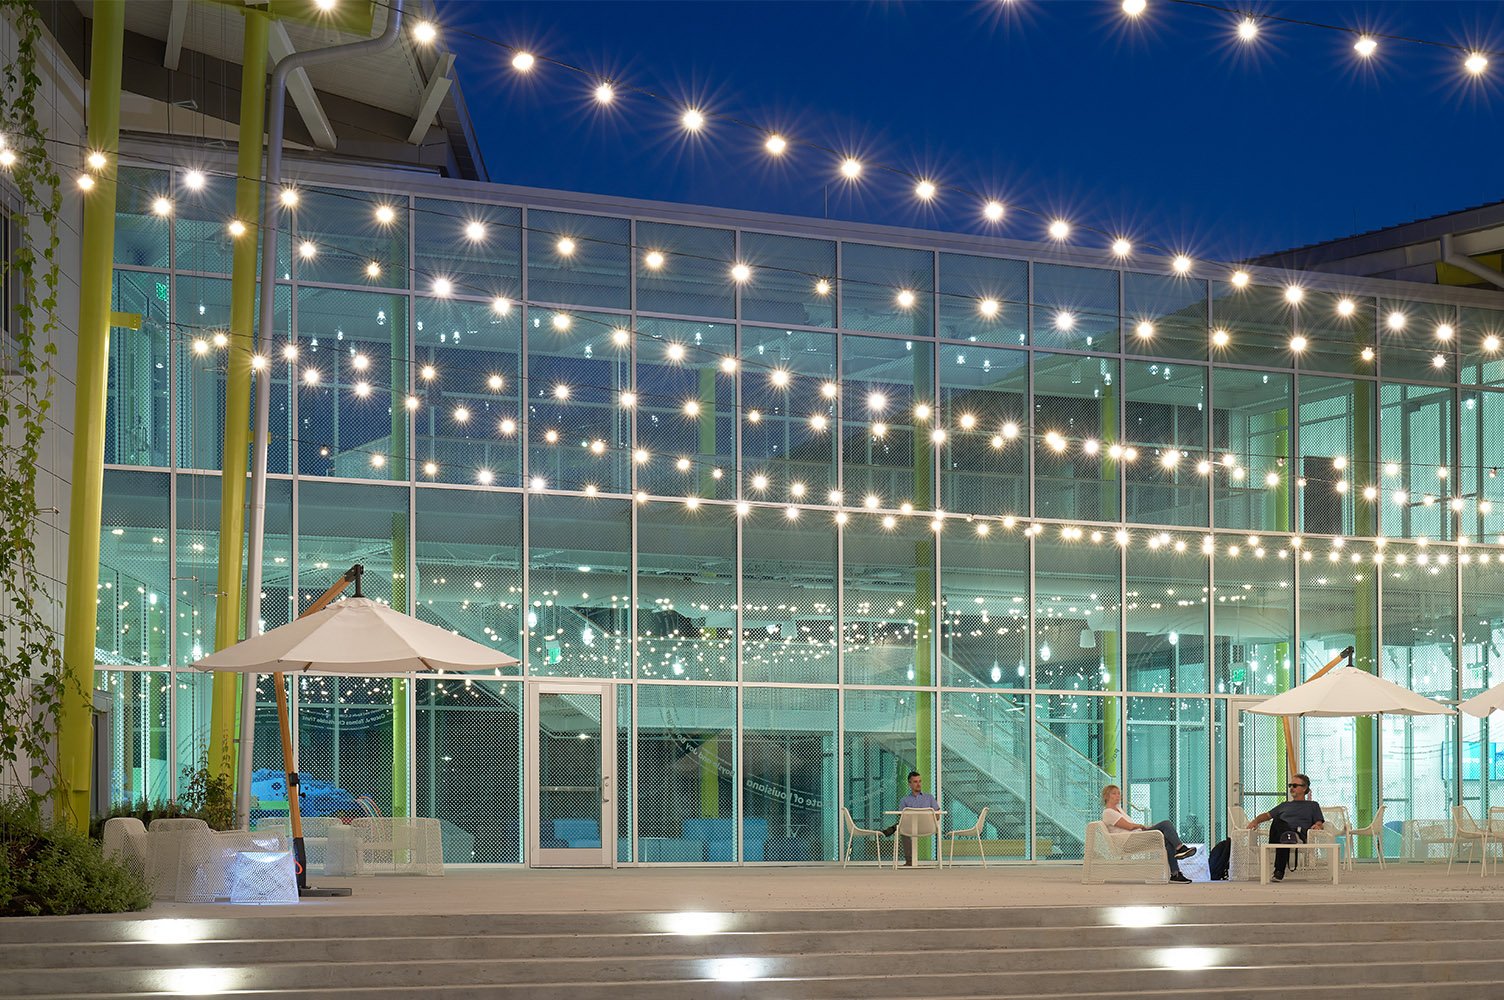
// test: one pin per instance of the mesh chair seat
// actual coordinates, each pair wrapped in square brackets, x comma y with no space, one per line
[125,840]
[405,845]
[207,856]
[1124,857]
[165,839]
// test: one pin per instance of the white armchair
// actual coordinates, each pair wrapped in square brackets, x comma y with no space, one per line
[1243,860]
[1375,830]
[916,824]
[853,832]
[399,845]
[1124,857]
[1465,833]
[970,831]
[165,841]
[125,840]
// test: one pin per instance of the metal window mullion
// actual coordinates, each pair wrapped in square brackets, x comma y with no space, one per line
[1032,701]
[172,628]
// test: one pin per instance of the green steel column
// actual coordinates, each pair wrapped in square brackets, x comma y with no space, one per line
[710,783]
[401,687]
[1111,741]
[237,447]
[1284,673]
[1365,611]
[1111,660]
[75,761]
[924,591]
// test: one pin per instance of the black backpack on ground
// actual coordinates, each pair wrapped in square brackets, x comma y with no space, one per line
[1218,860]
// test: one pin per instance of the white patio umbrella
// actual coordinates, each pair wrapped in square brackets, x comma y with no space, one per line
[1348,691]
[1485,704]
[353,636]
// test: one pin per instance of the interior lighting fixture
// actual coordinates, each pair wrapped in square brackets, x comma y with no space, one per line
[1491,343]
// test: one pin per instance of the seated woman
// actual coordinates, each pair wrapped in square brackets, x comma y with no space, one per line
[1118,822]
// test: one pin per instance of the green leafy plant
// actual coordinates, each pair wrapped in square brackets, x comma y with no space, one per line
[33,683]
[52,869]
[210,795]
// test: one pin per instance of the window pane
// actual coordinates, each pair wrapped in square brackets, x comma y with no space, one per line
[1076,609]
[1338,600]
[1165,417]
[887,290]
[1075,307]
[1167,763]
[1481,439]
[1338,328]
[1075,398]
[783,374]
[788,597]
[139,737]
[1411,340]
[1255,619]
[888,734]
[580,586]
[576,372]
[1167,590]
[467,377]
[984,593]
[469,562]
[984,299]
[985,750]
[478,247]
[888,601]
[783,290]
[686,592]
[344,734]
[336,520]
[686,408]
[896,464]
[136,410]
[469,771]
[1416,424]
[1077,750]
[1164,315]
[695,277]
[199,218]
[348,232]
[1480,333]
[1250,425]
[141,235]
[1258,322]
[131,624]
[984,404]
[352,421]
[578,260]
[789,775]
[1336,456]
[686,773]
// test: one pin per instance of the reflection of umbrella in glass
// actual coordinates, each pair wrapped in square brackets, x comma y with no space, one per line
[1341,692]
[353,636]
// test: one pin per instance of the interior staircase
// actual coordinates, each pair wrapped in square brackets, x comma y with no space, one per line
[1252,950]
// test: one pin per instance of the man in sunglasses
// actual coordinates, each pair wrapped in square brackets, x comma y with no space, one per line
[1300,814]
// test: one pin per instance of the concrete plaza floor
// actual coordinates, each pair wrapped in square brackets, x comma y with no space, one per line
[477,891]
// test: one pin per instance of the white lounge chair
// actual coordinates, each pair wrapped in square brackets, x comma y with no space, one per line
[1466,832]
[970,831]
[852,832]
[1374,829]
[1123,857]
[916,824]
[1243,859]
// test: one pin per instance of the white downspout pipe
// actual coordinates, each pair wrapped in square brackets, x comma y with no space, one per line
[276,124]
[1449,255]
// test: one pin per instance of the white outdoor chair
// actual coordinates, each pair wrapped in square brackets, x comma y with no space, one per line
[1123,857]
[1243,860]
[1466,831]
[1374,829]
[1419,836]
[207,857]
[165,840]
[852,832]
[398,845]
[916,824]
[970,831]
[125,840]
[1336,820]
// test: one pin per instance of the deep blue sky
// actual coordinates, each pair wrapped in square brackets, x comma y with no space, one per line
[1169,128]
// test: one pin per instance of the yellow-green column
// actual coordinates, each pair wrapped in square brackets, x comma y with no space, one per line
[710,779]
[924,589]
[91,374]
[401,687]
[1285,673]
[1365,610]
[237,445]
[1111,662]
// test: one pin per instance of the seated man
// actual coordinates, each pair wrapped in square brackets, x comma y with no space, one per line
[916,799]
[1117,821]
[1300,814]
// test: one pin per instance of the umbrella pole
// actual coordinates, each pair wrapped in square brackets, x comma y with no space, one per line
[1291,762]
[284,723]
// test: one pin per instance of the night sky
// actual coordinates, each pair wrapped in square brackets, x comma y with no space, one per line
[1168,129]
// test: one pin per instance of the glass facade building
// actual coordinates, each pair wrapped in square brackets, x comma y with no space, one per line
[774,510]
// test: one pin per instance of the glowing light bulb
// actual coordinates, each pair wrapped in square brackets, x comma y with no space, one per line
[989,307]
[692,119]
[1365,46]
[779,377]
[430,468]
[560,322]
[604,93]
[851,168]
[822,287]
[1010,430]
[1475,63]
[675,352]
[1181,264]
[386,214]
[1134,8]
[925,190]
[237,228]
[922,411]
[290,352]
[307,250]
[653,260]
[1491,343]
[484,477]
[776,144]
[1220,337]
[362,389]
[442,287]
[741,273]
[691,408]
[360,362]
[97,160]
[7,158]
[1144,329]
[508,426]
[412,402]
[194,180]
[373,270]
[1395,321]
[501,305]
[523,62]
[1240,279]
[428,373]
[495,382]
[1059,229]
[993,211]
[377,461]
[424,32]
[200,346]
[258,362]
[1271,479]
[565,246]
[1248,29]
[759,482]
[1065,321]
[551,436]
[829,390]
[628,399]
[561,391]
[162,207]
[1294,294]
[905,299]
[968,421]
[1438,361]
[621,336]
[1121,247]
[311,376]
[1444,331]
[475,231]
[85,182]
[1298,343]
[1055,441]
[1366,354]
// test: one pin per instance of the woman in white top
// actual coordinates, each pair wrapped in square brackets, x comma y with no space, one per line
[1117,821]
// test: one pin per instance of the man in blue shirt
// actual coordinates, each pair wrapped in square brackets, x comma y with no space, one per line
[1299,813]
[916,799]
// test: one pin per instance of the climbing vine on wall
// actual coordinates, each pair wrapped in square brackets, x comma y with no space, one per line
[32,682]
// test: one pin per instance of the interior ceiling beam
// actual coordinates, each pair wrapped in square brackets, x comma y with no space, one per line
[303,95]
[433,96]
[176,25]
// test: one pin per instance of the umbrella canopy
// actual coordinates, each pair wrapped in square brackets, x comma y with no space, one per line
[356,636]
[1485,704]
[1348,691]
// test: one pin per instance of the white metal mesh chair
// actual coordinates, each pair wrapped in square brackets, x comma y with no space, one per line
[1123,857]
[1374,829]
[206,857]
[1242,860]
[1465,833]
[1327,852]
[165,839]
[853,832]
[262,877]
[1420,836]
[915,824]
[1336,820]
[403,845]
[970,831]
[125,840]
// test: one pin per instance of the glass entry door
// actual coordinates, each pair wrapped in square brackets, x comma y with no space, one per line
[1255,758]
[571,775]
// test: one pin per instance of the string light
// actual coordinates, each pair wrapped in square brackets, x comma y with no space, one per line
[1365,46]
[653,260]
[692,119]
[905,299]
[776,144]
[565,246]
[162,207]
[7,158]
[237,228]
[1248,29]
[442,287]
[1220,337]
[1121,247]
[822,287]
[925,190]
[373,270]
[307,250]
[1395,321]
[1475,63]
[501,305]
[741,273]
[560,322]
[1294,294]
[85,182]
[993,211]
[523,62]
[851,168]
[1181,264]
[97,160]
[289,197]
[194,180]
[386,214]
[988,307]
[1059,229]
[1134,8]
[604,93]
[424,32]
[1444,331]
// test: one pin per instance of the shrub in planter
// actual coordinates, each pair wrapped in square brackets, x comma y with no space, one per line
[47,869]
